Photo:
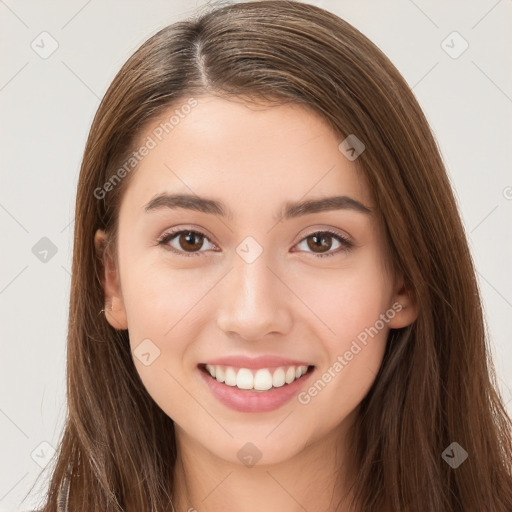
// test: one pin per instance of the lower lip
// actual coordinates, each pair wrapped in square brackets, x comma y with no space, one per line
[253,401]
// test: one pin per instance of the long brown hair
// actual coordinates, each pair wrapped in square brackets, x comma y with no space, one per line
[436,385]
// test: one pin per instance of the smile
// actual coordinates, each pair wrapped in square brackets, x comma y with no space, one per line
[255,389]
[261,379]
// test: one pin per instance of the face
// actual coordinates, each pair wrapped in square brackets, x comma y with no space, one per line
[250,275]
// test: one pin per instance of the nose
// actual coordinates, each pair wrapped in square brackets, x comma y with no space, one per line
[254,301]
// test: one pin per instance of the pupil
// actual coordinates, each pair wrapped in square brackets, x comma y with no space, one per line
[317,245]
[189,237]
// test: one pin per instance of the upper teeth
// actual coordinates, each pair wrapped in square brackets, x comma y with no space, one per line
[260,380]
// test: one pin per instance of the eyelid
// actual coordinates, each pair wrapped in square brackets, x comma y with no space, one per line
[315,228]
[172,232]
[344,239]
[187,227]
[347,244]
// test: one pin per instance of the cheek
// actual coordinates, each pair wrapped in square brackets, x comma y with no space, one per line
[169,308]
[157,298]
[163,320]
[353,308]
[347,301]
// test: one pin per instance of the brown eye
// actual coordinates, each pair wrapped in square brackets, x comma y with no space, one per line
[190,241]
[185,242]
[321,242]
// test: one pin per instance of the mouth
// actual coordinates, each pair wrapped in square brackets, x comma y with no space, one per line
[256,380]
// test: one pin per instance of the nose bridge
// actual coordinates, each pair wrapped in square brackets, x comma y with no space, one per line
[253,300]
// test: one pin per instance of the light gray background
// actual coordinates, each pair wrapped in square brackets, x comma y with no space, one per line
[47,107]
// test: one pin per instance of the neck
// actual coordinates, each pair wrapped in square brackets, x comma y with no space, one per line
[316,478]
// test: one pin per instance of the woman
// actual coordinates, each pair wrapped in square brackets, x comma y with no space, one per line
[291,315]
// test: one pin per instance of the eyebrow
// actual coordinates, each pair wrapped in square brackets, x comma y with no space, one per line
[291,209]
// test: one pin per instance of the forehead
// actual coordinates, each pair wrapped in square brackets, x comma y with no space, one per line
[245,154]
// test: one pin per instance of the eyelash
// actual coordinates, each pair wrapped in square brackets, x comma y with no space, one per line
[168,236]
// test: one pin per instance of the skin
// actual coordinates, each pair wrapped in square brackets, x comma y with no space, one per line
[289,301]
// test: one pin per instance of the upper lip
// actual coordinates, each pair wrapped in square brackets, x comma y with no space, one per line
[266,361]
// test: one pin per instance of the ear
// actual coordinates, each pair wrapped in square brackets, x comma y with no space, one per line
[405,307]
[115,312]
